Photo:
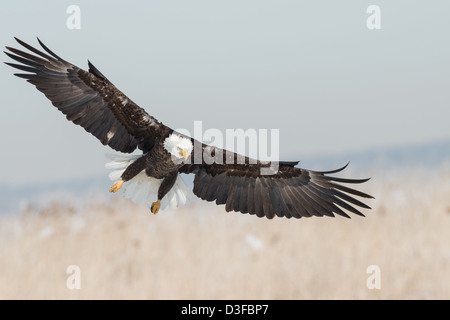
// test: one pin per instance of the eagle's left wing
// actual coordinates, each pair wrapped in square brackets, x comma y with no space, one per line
[248,186]
[88,99]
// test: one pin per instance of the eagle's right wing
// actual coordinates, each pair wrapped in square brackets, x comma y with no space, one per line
[87,99]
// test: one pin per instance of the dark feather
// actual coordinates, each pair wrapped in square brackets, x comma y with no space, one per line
[88,99]
[290,192]
[95,71]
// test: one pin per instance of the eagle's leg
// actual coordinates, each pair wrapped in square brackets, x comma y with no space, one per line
[130,172]
[116,186]
[155,207]
[164,188]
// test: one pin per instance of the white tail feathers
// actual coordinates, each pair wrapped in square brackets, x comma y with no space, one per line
[143,189]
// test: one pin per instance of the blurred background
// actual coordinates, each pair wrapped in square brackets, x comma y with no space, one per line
[337,90]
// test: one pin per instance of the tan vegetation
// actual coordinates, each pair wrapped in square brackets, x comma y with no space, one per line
[201,252]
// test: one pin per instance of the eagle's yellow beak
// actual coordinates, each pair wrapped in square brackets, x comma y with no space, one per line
[184,154]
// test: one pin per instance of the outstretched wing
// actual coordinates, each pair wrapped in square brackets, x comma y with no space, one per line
[244,186]
[87,99]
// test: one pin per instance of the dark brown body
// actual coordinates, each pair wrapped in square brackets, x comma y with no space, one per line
[159,164]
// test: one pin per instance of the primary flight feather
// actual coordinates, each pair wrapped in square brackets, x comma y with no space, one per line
[90,100]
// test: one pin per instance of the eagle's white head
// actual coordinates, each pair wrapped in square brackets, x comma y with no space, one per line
[178,146]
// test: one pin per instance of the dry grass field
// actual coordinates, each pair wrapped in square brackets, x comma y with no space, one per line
[201,252]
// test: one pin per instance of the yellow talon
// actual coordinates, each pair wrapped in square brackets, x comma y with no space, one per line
[155,207]
[116,186]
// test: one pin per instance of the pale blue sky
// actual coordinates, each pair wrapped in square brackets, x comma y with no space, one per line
[310,68]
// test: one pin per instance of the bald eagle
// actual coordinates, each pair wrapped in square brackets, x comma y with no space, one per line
[90,100]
